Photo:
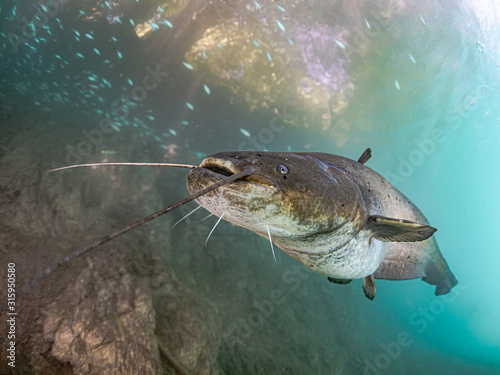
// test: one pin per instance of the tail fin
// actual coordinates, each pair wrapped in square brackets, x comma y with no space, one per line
[438,273]
[412,260]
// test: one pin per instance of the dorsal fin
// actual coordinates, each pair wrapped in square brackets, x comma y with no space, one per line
[365,156]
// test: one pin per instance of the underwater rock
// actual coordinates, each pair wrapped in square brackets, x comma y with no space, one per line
[119,310]
[109,331]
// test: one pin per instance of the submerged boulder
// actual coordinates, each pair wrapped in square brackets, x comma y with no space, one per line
[117,310]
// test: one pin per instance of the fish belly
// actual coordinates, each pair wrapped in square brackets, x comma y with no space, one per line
[359,258]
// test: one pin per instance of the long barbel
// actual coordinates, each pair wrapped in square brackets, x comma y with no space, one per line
[125,164]
[129,227]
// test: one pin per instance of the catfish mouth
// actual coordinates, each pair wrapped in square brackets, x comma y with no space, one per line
[219,169]
[225,168]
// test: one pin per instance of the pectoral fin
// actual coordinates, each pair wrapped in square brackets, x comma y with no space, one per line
[398,230]
[369,287]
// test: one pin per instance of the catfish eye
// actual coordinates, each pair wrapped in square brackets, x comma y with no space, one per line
[282,169]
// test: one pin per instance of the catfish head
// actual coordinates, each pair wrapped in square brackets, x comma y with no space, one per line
[299,198]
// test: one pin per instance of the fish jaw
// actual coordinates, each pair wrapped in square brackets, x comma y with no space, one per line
[219,166]
[237,199]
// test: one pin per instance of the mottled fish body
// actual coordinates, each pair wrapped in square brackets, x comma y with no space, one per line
[335,215]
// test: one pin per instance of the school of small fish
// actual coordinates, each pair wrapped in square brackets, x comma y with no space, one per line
[76,56]
[73,55]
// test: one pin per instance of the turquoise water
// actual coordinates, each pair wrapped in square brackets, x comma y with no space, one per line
[175,81]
